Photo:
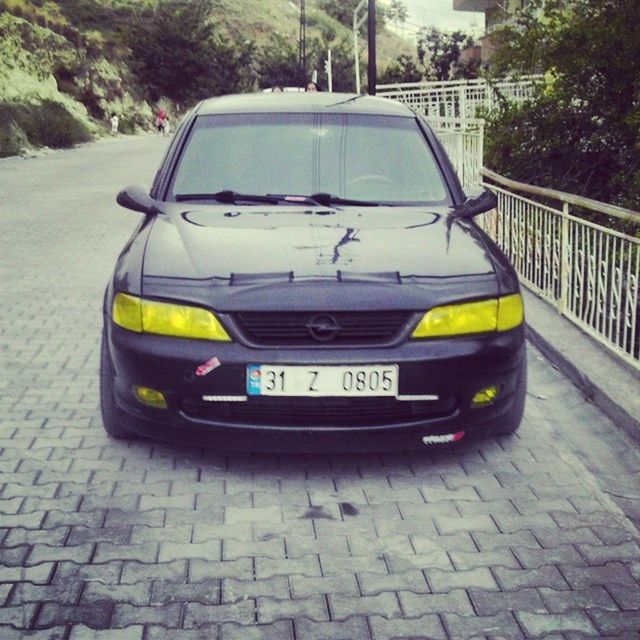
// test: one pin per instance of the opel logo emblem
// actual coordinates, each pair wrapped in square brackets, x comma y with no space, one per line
[323,328]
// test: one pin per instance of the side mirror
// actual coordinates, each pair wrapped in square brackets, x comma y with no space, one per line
[136,198]
[476,204]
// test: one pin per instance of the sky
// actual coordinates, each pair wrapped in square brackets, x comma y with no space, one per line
[439,13]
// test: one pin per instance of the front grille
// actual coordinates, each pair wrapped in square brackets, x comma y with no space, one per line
[292,328]
[318,412]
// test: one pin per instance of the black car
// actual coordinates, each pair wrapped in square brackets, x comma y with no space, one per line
[308,275]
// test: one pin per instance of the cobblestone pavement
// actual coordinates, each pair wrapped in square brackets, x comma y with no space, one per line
[526,537]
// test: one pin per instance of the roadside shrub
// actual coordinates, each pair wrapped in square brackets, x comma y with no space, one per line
[47,124]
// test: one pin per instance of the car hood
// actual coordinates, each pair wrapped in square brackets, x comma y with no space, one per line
[313,242]
[293,257]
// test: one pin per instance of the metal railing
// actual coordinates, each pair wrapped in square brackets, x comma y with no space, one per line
[459,98]
[590,272]
[463,140]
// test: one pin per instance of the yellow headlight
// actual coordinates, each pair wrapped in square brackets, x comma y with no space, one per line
[484,316]
[510,312]
[127,312]
[166,319]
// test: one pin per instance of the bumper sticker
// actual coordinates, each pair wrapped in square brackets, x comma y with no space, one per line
[208,366]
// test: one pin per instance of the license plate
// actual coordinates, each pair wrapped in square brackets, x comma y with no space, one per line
[349,381]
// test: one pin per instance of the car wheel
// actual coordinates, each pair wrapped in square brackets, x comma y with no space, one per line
[113,419]
[513,418]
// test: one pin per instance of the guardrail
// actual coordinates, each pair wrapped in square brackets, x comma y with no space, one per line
[591,273]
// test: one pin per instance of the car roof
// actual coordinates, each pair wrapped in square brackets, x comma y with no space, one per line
[305,102]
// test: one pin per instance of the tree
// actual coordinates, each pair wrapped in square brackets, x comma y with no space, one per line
[582,132]
[403,69]
[397,12]
[277,63]
[342,11]
[440,51]
[178,53]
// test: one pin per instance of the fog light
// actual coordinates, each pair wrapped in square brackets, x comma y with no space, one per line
[485,396]
[150,397]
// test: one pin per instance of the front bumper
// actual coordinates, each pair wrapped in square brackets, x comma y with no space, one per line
[452,369]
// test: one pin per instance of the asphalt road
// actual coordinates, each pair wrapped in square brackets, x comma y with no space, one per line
[525,537]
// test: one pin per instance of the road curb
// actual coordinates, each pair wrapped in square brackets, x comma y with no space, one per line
[604,380]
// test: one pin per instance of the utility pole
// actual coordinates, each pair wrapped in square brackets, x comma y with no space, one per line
[371,69]
[302,53]
[357,23]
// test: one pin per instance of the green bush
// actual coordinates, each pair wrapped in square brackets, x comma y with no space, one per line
[47,124]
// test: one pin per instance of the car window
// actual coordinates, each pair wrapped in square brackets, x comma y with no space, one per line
[372,158]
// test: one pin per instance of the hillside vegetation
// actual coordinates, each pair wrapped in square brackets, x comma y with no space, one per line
[67,65]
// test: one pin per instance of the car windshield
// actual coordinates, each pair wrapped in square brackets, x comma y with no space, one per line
[373,158]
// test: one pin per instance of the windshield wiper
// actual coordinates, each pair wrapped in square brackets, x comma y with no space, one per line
[327,199]
[227,197]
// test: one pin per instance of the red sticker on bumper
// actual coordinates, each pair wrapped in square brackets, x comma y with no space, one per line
[208,367]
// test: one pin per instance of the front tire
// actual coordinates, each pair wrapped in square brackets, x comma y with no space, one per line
[113,419]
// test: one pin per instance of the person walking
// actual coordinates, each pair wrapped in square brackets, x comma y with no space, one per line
[115,122]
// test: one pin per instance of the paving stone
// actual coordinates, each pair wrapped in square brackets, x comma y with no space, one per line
[18,616]
[115,535]
[491,541]
[166,592]
[235,515]
[236,590]
[117,517]
[133,571]
[464,560]
[313,607]
[280,630]
[24,592]
[203,532]
[95,615]
[584,599]
[298,546]
[273,548]
[536,558]
[354,628]
[66,572]
[241,569]
[626,551]
[138,594]
[456,601]
[384,604]
[343,584]
[466,627]
[539,625]
[38,574]
[488,603]
[462,541]
[626,596]
[444,581]
[332,566]
[372,584]
[515,579]
[45,553]
[168,615]
[106,551]
[612,622]
[211,550]
[201,615]
[410,628]
[607,574]
[82,632]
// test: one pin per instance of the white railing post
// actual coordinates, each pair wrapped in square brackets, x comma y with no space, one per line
[565,267]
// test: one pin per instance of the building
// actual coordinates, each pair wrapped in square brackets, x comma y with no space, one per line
[496,13]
